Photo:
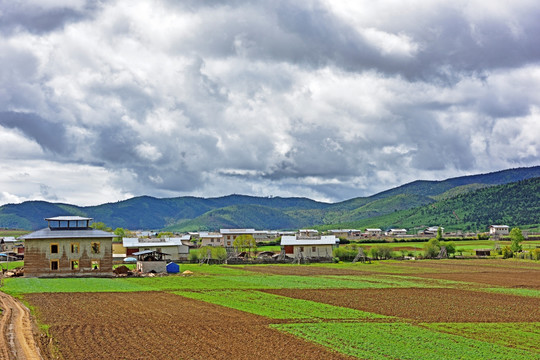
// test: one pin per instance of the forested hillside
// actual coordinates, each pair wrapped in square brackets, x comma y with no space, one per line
[512,204]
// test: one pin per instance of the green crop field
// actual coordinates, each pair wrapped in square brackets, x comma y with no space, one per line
[277,307]
[429,309]
[399,341]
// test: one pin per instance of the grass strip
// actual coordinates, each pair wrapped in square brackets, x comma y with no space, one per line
[521,335]
[277,306]
[399,341]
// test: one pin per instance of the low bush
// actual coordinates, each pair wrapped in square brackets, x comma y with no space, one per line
[507,252]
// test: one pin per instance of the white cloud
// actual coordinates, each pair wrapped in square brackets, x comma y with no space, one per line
[317,99]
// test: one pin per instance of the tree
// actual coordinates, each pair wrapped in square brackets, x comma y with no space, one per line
[432,248]
[100,226]
[165,234]
[439,236]
[245,243]
[219,253]
[122,233]
[516,236]
[450,248]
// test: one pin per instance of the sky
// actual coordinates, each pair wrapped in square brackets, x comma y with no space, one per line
[101,101]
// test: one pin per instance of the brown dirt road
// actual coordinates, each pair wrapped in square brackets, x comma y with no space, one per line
[17,339]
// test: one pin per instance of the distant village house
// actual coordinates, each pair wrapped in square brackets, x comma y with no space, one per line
[499,230]
[320,247]
[173,247]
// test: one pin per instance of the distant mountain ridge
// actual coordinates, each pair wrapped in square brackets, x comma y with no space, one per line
[236,211]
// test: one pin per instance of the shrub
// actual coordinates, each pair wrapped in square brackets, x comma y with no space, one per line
[450,247]
[193,255]
[219,253]
[344,253]
[535,254]
[343,240]
[381,252]
[507,252]
[432,248]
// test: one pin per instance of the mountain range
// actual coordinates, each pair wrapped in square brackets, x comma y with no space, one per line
[468,202]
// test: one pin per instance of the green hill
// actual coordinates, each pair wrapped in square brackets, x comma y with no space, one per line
[514,204]
[193,213]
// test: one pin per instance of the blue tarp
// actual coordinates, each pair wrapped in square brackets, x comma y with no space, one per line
[173,268]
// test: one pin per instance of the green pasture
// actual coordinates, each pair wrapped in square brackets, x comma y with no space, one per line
[399,341]
[9,265]
[278,307]
[524,336]
[386,274]
[17,286]
[465,247]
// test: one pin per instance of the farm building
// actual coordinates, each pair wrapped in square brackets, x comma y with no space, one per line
[308,232]
[230,234]
[172,246]
[499,230]
[68,247]
[319,247]
[396,232]
[13,247]
[212,239]
[432,230]
[373,232]
[151,261]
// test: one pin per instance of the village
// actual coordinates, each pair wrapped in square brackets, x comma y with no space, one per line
[70,247]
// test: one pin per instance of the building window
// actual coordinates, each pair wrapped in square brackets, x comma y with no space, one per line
[74,248]
[95,248]
[95,264]
[74,264]
[54,264]
[301,249]
[313,249]
[54,248]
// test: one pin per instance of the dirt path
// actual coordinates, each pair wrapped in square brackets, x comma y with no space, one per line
[16,331]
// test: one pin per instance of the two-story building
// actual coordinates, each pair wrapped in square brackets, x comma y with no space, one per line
[229,235]
[69,246]
[212,239]
[173,247]
[315,247]
[499,230]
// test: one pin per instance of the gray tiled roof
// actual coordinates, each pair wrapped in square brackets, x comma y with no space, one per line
[47,233]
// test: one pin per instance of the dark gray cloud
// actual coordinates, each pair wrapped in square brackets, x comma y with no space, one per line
[49,135]
[42,18]
[329,100]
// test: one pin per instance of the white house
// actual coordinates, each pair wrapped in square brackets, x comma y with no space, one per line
[373,232]
[230,234]
[309,247]
[170,246]
[432,230]
[499,230]
[396,232]
[308,232]
[212,239]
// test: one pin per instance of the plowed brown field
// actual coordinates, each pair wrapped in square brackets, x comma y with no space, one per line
[428,305]
[156,325]
[468,266]
[516,279]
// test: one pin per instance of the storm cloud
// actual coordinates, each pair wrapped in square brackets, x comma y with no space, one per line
[312,98]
